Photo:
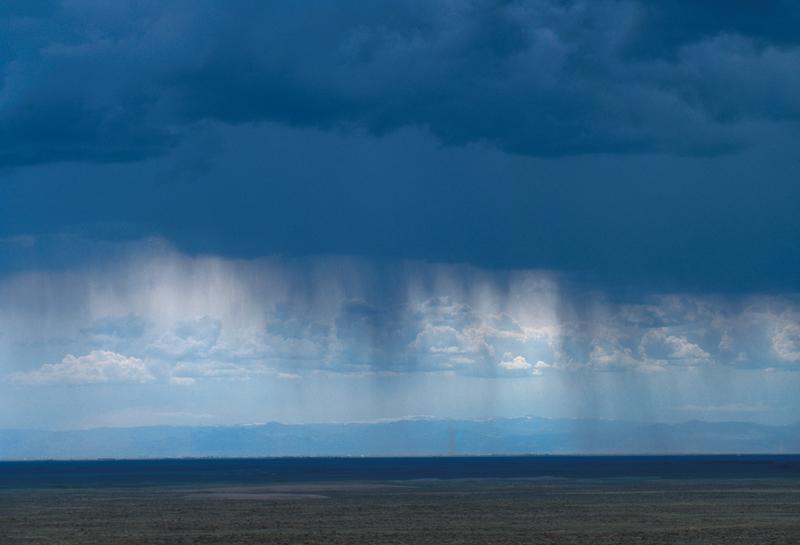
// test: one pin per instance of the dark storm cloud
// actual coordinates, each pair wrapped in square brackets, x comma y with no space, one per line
[665,26]
[98,81]
[665,223]
[307,128]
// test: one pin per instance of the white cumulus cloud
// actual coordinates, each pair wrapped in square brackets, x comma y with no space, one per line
[519,364]
[96,367]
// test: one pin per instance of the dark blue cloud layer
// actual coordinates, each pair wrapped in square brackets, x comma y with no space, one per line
[253,128]
[714,224]
[93,81]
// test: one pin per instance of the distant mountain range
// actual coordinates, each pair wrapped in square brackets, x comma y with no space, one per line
[408,437]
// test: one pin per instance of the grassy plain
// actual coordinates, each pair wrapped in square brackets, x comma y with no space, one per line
[491,511]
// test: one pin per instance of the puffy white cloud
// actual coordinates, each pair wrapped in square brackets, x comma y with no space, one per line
[660,344]
[98,366]
[520,365]
[610,355]
[452,335]
[786,340]
[765,333]
[515,363]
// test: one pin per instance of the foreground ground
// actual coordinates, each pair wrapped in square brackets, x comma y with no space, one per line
[410,512]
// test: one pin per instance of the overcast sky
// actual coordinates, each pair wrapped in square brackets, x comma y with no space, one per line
[232,212]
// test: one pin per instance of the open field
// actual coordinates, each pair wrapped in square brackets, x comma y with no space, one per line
[465,511]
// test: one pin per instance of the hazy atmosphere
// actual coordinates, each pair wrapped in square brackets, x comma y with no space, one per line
[242,212]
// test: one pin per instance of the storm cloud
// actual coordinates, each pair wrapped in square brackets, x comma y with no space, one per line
[93,81]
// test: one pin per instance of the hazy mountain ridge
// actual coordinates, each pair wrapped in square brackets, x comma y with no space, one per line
[419,436]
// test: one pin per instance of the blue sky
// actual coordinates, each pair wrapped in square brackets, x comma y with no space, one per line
[236,212]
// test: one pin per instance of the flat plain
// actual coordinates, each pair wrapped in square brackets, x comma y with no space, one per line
[421,511]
